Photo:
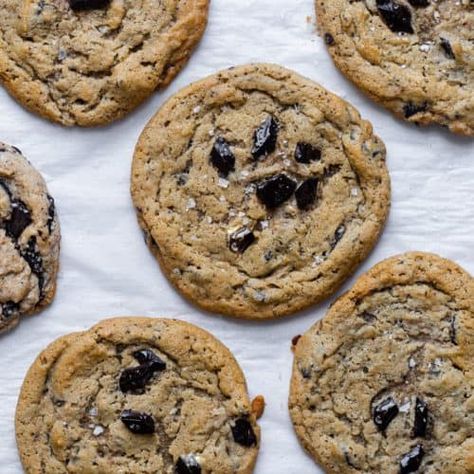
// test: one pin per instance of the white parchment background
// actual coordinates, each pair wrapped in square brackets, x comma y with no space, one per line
[106,269]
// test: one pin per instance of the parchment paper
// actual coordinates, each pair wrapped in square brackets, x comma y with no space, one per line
[106,269]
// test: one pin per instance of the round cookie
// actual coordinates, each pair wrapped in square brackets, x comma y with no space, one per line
[136,395]
[259,191]
[385,382]
[89,62]
[29,239]
[413,56]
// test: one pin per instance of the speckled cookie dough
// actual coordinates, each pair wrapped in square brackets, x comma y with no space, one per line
[136,395]
[89,62]
[29,239]
[259,191]
[416,57]
[385,382]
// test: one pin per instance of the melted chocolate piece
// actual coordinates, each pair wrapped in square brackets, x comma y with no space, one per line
[395,15]
[51,213]
[35,261]
[411,109]
[448,50]
[243,433]
[241,240]
[306,153]
[329,39]
[81,5]
[10,309]
[147,356]
[419,3]
[187,465]
[421,418]
[135,379]
[306,194]
[138,422]
[222,157]
[265,137]
[384,413]
[20,219]
[276,190]
[411,461]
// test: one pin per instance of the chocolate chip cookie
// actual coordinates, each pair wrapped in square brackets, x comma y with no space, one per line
[416,57]
[29,239]
[89,62]
[385,382]
[259,191]
[136,395]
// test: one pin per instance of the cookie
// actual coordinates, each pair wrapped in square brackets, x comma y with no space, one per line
[415,57]
[259,191]
[385,382]
[89,62]
[136,395]
[29,239]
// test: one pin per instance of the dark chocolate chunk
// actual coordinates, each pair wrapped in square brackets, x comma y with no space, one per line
[306,153]
[306,193]
[146,356]
[395,15]
[295,340]
[384,413]
[368,317]
[411,109]
[35,261]
[452,330]
[265,137]
[243,433]
[20,219]
[138,422]
[187,465]
[9,309]
[419,3]
[222,157]
[51,213]
[331,170]
[276,190]
[328,39]
[448,50]
[338,235]
[78,5]
[411,461]
[135,379]
[421,418]
[241,240]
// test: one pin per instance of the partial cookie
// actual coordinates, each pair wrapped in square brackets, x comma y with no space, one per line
[385,382]
[136,395]
[416,57]
[89,62]
[29,239]
[259,191]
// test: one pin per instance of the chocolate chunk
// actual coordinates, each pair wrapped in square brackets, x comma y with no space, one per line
[135,379]
[295,340]
[10,309]
[241,239]
[419,3]
[138,422]
[20,219]
[421,418]
[35,261]
[276,190]
[51,213]
[411,461]
[146,356]
[368,317]
[338,235]
[384,413]
[395,15]
[411,109]
[265,137]
[78,5]
[448,50]
[306,193]
[222,157]
[187,465]
[331,170]
[306,153]
[243,433]
[452,330]
[329,39]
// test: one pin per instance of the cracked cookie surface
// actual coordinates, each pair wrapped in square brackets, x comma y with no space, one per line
[259,191]
[385,382]
[136,395]
[416,57]
[29,239]
[89,62]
